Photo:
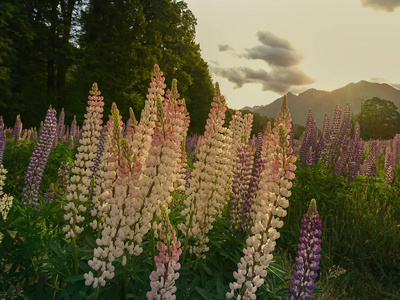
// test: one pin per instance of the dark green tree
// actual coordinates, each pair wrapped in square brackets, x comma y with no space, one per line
[121,42]
[37,47]
[379,119]
[16,37]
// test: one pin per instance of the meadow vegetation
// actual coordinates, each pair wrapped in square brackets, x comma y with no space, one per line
[136,209]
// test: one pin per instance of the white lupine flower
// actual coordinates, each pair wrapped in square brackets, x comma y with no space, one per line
[5,199]
[79,189]
[210,181]
[268,207]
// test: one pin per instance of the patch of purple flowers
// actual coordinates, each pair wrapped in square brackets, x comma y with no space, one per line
[307,262]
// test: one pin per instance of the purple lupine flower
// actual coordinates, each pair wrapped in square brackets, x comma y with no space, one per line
[259,166]
[39,158]
[329,155]
[34,134]
[17,129]
[323,139]
[291,136]
[2,132]
[354,158]
[389,166]
[308,160]
[307,137]
[95,168]
[2,147]
[63,178]
[307,262]
[396,149]
[73,132]
[239,212]
[191,145]
[61,125]
[341,161]
[49,195]
[314,141]
[345,126]
[372,161]
[3,139]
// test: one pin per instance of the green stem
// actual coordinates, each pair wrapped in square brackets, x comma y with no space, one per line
[126,280]
[75,256]
[185,248]
[153,249]
[28,241]
[95,293]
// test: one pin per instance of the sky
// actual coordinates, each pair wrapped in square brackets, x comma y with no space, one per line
[259,50]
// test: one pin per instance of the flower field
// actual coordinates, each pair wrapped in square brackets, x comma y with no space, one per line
[139,209]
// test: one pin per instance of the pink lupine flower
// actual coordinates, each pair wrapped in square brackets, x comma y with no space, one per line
[162,280]
[175,109]
[132,190]
[113,207]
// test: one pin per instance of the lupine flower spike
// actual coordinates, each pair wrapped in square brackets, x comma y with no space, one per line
[162,280]
[209,181]
[81,180]
[39,158]
[307,262]
[17,129]
[389,166]
[5,199]
[268,207]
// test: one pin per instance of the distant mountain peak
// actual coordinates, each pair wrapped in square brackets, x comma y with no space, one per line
[321,102]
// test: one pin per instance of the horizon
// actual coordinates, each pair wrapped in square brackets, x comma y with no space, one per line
[328,91]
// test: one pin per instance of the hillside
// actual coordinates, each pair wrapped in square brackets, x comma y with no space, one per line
[322,102]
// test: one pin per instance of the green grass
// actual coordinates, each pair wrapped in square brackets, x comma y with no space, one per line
[361,232]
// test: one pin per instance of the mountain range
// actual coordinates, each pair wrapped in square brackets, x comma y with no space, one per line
[321,102]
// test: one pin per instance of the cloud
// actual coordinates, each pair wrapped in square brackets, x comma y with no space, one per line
[282,72]
[274,56]
[269,39]
[278,80]
[385,80]
[274,51]
[385,5]
[224,47]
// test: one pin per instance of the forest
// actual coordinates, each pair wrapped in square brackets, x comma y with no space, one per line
[52,51]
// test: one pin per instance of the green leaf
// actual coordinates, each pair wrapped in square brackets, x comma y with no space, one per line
[206,295]
[220,288]
[55,249]
[75,278]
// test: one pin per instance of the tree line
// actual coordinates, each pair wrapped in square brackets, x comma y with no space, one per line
[51,51]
